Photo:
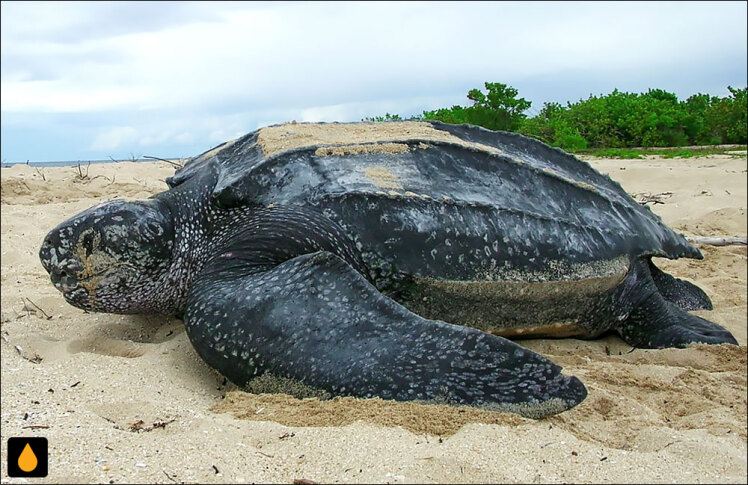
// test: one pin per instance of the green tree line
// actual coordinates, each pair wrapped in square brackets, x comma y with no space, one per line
[616,120]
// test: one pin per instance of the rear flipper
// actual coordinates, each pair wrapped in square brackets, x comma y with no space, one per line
[655,322]
[685,295]
[316,320]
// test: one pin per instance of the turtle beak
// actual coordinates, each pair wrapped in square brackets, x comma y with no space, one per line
[57,260]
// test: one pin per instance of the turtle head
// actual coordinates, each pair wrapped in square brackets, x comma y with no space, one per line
[112,257]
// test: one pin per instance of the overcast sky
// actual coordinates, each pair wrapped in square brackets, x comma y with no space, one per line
[93,80]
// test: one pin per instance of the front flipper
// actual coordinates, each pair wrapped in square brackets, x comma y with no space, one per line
[315,319]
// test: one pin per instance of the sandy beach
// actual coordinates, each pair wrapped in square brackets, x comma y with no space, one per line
[126,398]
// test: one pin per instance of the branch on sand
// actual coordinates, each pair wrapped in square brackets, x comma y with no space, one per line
[171,162]
[83,176]
[719,241]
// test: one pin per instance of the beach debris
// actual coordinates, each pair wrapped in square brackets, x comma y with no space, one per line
[645,198]
[84,177]
[162,424]
[40,172]
[139,425]
[303,481]
[32,311]
[169,476]
[34,359]
[114,423]
[719,241]
[170,162]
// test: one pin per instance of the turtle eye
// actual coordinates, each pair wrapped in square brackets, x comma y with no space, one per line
[88,242]
[154,228]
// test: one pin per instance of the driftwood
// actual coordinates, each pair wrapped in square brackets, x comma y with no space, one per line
[171,162]
[645,198]
[719,241]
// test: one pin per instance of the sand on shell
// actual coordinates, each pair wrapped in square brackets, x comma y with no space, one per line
[126,399]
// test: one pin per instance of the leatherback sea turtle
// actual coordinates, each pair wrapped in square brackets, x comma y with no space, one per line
[333,254]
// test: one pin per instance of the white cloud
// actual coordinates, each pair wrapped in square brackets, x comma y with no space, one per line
[65,96]
[203,72]
[184,138]
[113,138]
[326,113]
[298,55]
